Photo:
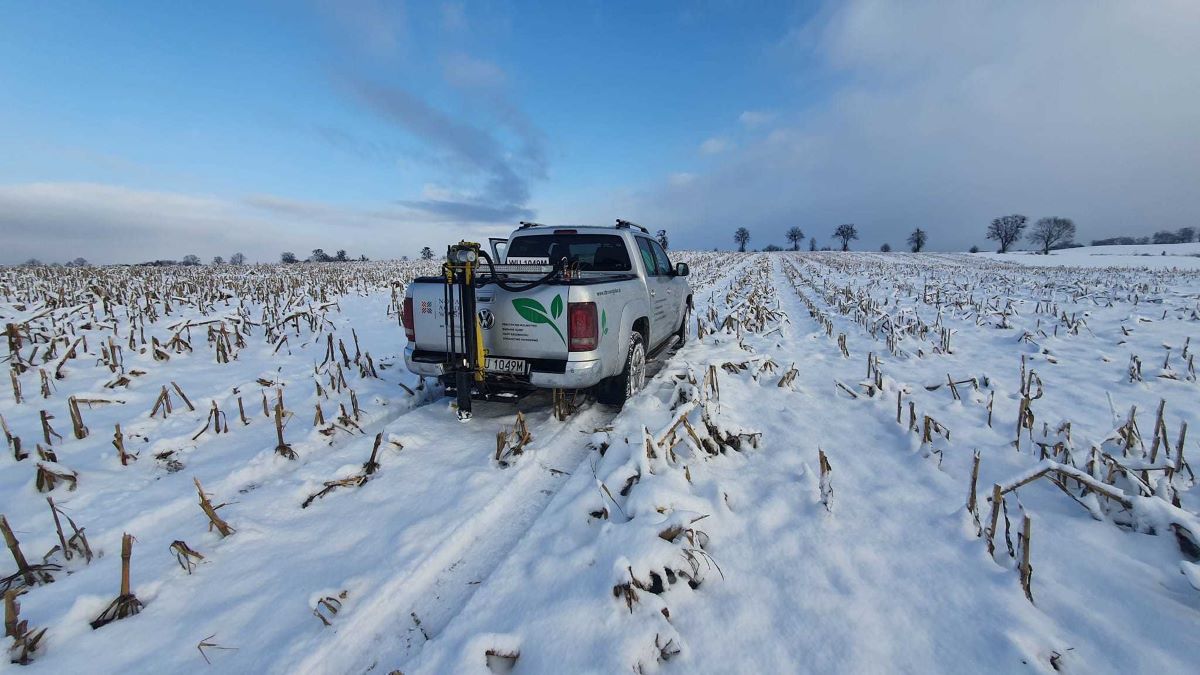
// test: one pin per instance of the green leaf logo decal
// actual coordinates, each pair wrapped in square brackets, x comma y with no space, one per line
[603,322]
[534,312]
[556,307]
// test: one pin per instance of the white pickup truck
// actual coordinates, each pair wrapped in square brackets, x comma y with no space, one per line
[557,307]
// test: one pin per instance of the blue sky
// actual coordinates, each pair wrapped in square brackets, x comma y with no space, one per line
[382,127]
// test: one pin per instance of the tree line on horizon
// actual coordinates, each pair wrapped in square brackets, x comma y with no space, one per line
[1047,234]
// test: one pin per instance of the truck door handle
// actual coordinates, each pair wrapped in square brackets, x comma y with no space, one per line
[652,294]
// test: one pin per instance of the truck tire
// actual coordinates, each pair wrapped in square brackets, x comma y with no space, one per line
[617,389]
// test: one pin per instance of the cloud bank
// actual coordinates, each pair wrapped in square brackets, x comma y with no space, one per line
[944,115]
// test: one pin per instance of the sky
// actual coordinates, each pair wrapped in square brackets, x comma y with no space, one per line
[134,130]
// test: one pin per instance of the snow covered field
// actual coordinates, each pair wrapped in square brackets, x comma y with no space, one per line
[790,493]
[1157,256]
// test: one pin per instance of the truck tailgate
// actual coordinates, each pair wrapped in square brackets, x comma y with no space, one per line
[527,325]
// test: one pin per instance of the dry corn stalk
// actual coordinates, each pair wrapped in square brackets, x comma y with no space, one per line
[25,641]
[119,443]
[826,483]
[282,449]
[77,543]
[187,557]
[330,605]
[77,426]
[214,521]
[125,604]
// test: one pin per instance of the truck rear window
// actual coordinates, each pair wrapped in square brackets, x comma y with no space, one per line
[591,252]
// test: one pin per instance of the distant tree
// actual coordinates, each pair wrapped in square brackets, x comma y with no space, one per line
[741,237]
[32,262]
[662,239]
[340,256]
[974,249]
[287,257]
[218,260]
[771,248]
[1164,237]
[78,262]
[190,259]
[886,248]
[795,235]
[426,253]
[1052,232]
[916,240]
[319,255]
[1186,235]
[237,259]
[812,244]
[1007,230]
[846,233]
[363,258]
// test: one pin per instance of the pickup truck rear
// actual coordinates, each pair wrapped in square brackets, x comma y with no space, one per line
[550,307]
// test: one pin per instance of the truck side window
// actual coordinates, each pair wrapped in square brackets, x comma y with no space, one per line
[647,256]
[660,254]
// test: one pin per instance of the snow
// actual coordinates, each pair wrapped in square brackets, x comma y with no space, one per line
[693,530]
[1155,256]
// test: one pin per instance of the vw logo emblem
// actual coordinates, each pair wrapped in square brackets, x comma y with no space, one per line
[486,318]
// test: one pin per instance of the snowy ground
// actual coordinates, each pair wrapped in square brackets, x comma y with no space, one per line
[695,530]
[1156,256]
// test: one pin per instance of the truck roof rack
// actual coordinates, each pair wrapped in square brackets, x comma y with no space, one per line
[525,224]
[625,224]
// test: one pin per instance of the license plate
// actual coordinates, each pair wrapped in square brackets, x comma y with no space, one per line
[506,366]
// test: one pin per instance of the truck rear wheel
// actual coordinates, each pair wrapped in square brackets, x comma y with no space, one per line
[617,389]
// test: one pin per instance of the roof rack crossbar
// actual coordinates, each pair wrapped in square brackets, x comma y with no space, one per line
[627,225]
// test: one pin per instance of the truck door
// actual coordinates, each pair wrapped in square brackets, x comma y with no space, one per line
[675,297]
[657,286]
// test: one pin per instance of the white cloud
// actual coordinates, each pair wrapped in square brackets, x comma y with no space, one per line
[108,223]
[464,70]
[753,119]
[949,114]
[680,179]
[715,145]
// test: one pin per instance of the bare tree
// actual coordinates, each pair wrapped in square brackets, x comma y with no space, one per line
[916,240]
[190,259]
[1052,232]
[886,248]
[237,259]
[742,237]
[662,239]
[341,255]
[812,244]
[78,262]
[218,260]
[426,253]
[795,235]
[846,233]
[287,257]
[1007,230]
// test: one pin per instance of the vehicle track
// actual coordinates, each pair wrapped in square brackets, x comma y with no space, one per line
[415,604]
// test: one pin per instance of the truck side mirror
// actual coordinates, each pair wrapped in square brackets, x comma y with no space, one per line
[681,270]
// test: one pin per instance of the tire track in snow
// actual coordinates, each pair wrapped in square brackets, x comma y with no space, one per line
[384,630]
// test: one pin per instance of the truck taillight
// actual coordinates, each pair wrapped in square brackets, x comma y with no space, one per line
[581,326]
[407,318]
